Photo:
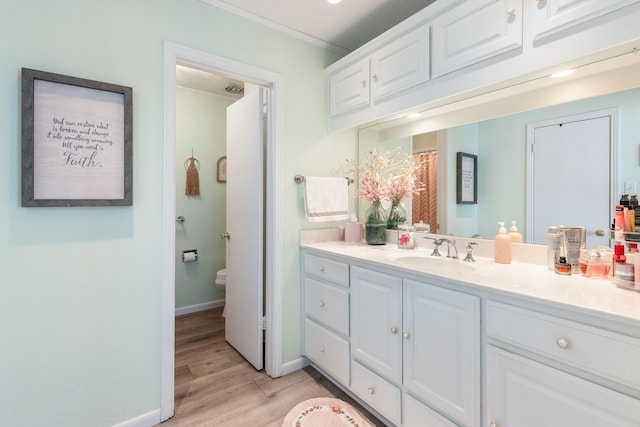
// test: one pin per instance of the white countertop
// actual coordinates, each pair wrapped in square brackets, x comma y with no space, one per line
[593,296]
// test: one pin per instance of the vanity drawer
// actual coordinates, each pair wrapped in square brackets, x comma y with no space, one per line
[327,304]
[380,394]
[329,351]
[601,352]
[323,268]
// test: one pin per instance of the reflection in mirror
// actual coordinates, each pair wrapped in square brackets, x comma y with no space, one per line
[500,142]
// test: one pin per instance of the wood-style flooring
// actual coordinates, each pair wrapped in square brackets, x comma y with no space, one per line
[215,386]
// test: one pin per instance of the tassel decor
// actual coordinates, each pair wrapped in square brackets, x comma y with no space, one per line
[193,179]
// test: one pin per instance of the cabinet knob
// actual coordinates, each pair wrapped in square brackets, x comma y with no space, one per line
[406,335]
[321,349]
[364,83]
[374,76]
[394,330]
[511,12]
[494,424]
[321,303]
[563,343]
[322,268]
[372,390]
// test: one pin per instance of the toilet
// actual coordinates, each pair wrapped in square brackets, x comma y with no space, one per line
[221,283]
[221,279]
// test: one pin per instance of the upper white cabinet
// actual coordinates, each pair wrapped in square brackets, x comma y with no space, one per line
[396,66]
[400,64]
[349,88]
[553,16]
[474,31]
[455,49]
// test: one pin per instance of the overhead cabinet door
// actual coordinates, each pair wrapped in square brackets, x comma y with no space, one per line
[349,88]
[553,16]
[401,64]
[474,31]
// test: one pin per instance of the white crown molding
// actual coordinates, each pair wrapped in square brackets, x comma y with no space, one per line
[220,4]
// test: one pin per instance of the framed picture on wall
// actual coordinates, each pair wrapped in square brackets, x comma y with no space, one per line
[222,169]
[76,141]
[466,178]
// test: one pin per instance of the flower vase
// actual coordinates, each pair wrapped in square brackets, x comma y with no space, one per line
[375,224]
[397,215]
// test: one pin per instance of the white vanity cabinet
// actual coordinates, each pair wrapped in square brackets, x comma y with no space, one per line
[474,31]
[535,389]
[398,65]
[326,310]
[418,338]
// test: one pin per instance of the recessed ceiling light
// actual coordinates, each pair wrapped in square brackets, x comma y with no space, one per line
[564,73]
[413,115]
[334,1]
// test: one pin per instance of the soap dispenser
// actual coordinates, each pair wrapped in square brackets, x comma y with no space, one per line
[502,246]
[514,234]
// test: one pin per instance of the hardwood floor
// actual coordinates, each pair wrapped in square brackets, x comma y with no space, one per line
[215,386]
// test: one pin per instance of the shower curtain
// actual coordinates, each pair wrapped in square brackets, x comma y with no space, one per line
[424,205]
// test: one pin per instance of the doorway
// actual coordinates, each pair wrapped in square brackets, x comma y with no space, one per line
[572,174]
[273,272]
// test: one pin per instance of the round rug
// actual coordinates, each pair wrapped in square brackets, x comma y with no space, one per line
[324,412]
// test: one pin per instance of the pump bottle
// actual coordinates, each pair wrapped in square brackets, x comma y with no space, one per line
[502,246]
[514,234]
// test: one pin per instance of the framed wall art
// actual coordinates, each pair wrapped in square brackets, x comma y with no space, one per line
[76,141]
[466,178]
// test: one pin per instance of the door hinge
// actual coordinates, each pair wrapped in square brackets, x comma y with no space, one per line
[263,323]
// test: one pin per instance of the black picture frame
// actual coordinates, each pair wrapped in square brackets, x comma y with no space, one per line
[77,141]
[466,178]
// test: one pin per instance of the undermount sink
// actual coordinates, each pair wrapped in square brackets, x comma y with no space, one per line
[423,260]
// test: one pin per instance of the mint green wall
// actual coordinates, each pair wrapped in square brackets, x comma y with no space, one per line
[502,153]
[200,126]
[80,288]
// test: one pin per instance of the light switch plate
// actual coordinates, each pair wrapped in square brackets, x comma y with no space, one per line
[630,187]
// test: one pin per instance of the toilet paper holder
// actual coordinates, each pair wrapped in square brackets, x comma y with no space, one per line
[190,255]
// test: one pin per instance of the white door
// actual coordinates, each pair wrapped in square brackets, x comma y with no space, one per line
[569,183]
[245,212]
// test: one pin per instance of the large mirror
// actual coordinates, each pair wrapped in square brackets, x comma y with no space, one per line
[499,127]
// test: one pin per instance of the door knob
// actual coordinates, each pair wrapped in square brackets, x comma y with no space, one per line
[225,235]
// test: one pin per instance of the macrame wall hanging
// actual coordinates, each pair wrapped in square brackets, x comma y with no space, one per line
[193,180]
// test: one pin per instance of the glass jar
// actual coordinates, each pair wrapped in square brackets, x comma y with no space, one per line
[375,224]
[405,237]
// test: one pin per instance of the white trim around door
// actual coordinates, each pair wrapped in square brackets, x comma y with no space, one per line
[174,54]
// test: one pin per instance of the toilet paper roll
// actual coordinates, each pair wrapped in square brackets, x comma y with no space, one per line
[189,256]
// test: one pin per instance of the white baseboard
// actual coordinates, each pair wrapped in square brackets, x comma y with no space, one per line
[145,420]
[199,307]
[294,365]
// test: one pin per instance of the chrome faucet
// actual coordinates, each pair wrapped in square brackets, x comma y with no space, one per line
[450,244]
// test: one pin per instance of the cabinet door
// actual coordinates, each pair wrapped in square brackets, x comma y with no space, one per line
[524,393]
[442,350]
[376,322]
[349,88]
[401,64]
[553,16]
[473,31]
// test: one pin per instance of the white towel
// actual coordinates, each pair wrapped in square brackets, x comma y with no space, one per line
[326,199]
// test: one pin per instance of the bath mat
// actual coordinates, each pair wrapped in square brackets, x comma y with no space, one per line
[325,412]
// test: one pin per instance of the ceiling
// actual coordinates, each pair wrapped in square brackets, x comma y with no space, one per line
[342,27]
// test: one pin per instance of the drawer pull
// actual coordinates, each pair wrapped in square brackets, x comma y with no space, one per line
[563,343]
[321,349]
[406,335]
[394,330]
[511,12]
[322,268]
[321,303]
[494,424]
[372,390]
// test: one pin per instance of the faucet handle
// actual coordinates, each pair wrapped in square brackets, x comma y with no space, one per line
[436,243]
[469,257]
